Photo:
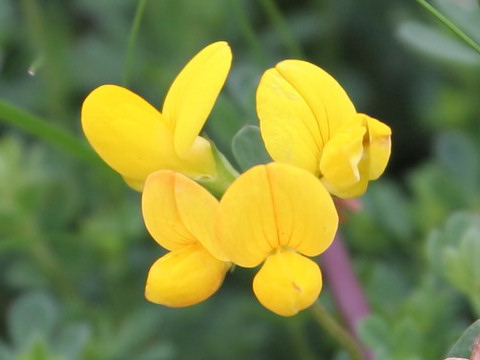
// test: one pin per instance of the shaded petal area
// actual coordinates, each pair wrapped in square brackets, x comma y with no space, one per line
[185,277]
[272,206]
[343,166]
[287,283]
[379,146]
[178,212]
[160,212]
[192,95]
[197,209]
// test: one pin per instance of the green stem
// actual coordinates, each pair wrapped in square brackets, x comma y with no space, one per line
[281,25]
[45,131]
[467,39]
[295,329]
[343,337]
[132,40]
[225,174]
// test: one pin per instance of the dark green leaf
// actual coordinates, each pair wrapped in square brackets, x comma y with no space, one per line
[464,345]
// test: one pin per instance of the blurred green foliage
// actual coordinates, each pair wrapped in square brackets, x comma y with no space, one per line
[74,252]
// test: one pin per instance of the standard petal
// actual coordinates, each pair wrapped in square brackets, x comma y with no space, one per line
[185,277]
[326,98]
[288,124]
[379,146]
[305,215]
[287,283]
[160,212]
[127,132]
[273,206]
[245,226]
[192,95]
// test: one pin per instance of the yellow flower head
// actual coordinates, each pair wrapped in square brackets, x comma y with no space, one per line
[180,215]
[308,120]
[135,139]
[278,214]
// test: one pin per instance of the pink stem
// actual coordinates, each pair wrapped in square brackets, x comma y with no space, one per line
[347,292]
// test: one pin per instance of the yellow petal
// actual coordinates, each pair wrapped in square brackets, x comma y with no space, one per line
[178,212]
[127,132]
[287,123]
[343,165]
[185,277]
[272,206]
[199,161]
[194,92]
[300,107]
[379,146]
[160,212]
[132,137]
[197,209]
[329,102]
[287,283]
[245,223]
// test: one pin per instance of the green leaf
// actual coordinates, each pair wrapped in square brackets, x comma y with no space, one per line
[436,44]
[223,124]
[5,353]
[248,148]
[454,252]
[464,345]
[136,331]
[397,219]
[32,316]
[374,332]
[72,341]
[459,156]
[38,351]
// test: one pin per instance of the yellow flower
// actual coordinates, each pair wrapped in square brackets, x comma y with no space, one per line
[135,139]
[308,120]
[180,215]
[278,214]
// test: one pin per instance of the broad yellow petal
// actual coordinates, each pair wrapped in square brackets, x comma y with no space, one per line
[160,212]
[272,206]
[245,226]
[305,215]
[194,92]
[127,132]
[329,102]
[185,277]
[287,123]
[287,283]
[379,146]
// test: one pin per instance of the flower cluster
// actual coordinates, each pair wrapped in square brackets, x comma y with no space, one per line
[277,215]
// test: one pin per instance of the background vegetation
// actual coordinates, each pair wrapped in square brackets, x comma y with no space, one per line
[74,252]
